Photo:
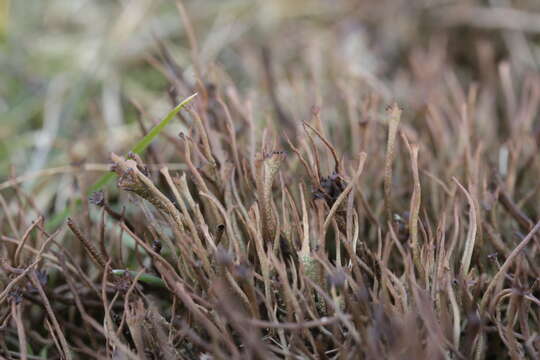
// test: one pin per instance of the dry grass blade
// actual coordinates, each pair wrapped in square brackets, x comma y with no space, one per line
[16,314]
[471,233]
[414,207]
[506,265]
[25,237]
[394,117]
[64,347]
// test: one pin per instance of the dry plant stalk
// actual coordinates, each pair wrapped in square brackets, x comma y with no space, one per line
[415,208]
[340,247]
[268,166]
[394,117]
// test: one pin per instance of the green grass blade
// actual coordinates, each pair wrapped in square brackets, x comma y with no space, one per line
[60,217]
[138,148]
[143,143]
[101,182]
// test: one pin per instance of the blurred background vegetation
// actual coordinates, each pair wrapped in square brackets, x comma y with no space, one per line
[73,70]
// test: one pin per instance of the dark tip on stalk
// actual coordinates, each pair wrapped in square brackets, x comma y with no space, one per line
[224,257]
[474,322]
[318,194]
[268,155]
[219,233]
[331,188]
[124,282]
[389,107]
[97,198]
[156,246]
[362,295]
[242,271]
[140,164]
[211,89]
[15,296]
[42,276]
[337,279]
